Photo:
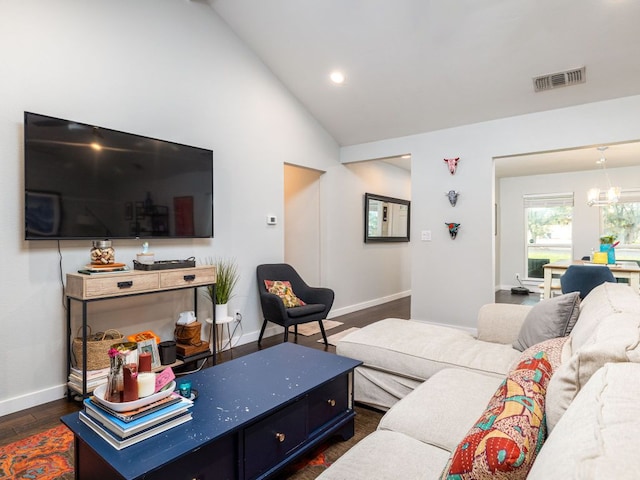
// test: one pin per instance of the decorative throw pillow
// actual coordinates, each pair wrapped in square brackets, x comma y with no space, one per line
[558,350]
[551,318]
[283,289]
[507,437]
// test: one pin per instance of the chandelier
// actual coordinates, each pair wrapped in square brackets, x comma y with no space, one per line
[612,194]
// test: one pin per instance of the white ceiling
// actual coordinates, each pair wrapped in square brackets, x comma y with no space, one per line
[414,66]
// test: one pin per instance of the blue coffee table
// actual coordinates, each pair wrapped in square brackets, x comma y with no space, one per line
[253,416]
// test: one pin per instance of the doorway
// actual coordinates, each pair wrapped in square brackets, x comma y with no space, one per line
[302,221]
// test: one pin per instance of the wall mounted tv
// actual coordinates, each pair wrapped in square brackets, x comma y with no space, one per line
[88,182]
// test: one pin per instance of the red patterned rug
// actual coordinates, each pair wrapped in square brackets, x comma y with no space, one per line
[49,455]
[44,456]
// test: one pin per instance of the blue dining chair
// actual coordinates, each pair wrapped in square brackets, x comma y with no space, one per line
[584,278]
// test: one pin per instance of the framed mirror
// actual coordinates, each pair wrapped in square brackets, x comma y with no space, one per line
[386,219]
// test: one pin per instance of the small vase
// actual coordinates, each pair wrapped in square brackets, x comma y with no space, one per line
[611,252]
[115,381]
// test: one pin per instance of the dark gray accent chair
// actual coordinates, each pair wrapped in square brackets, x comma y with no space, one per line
[318,300]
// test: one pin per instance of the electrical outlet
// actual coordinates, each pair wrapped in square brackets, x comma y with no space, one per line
[517,276]
[237,316]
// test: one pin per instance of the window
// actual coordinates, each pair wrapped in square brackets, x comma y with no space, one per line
[622,219]
[548,222]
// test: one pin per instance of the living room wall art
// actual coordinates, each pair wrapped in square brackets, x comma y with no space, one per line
[452,163]
[452,195]
[453,229]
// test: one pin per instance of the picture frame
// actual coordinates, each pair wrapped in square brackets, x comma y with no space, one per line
[150,346]
[386,219]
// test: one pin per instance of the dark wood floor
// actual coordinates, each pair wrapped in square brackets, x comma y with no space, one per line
[28,422]
[505,296]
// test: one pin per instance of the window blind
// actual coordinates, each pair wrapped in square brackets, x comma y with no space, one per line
[546,200]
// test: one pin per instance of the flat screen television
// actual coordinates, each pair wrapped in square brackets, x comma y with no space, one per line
[87,182]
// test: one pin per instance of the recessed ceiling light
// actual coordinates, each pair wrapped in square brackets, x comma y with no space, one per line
[337,77]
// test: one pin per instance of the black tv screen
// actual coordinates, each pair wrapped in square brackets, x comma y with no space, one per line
[88,182]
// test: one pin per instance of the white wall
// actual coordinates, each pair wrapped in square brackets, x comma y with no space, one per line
[451,279]
[169,69]
[371,272]
[586,220]
[302,222]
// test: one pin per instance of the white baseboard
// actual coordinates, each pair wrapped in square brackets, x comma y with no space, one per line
[369,303]
[531,285]
[33,399]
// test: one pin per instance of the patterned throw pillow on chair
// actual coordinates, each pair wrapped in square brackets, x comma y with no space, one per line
[283,289]
[507,437]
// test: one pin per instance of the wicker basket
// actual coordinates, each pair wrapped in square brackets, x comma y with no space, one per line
[97,348]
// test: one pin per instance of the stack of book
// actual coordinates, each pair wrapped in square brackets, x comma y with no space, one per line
[95,378]
[123,429]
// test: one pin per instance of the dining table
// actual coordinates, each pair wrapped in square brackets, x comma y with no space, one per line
[629,271]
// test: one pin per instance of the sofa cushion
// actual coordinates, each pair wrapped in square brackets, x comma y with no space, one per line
[386,455]
[608,331]
[551,318]
[501,322]
[603,301]
[443,409]
[598,436]
[418,350]
[510,432]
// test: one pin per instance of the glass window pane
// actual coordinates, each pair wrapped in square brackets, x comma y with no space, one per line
[549,237]
[623,220]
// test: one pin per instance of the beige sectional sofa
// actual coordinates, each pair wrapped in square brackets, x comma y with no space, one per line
[437,382]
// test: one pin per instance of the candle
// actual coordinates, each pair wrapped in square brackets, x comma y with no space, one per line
[144,362]
[146,384]
[130,383]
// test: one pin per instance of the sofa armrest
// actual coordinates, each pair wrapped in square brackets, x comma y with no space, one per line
[501,322]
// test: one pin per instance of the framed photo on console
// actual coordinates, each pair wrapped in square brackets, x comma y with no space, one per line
[150,346]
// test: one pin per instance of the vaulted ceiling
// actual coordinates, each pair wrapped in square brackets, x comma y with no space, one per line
[415,66]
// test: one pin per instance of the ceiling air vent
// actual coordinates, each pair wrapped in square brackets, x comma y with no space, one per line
[560,79]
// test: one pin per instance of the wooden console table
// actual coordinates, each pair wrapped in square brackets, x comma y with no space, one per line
[253,416]
[626,270]
[104,286]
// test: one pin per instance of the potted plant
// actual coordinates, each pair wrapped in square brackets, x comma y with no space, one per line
[607,245]
[607,239]
[226,280]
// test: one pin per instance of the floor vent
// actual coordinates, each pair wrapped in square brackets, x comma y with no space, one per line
[560,79]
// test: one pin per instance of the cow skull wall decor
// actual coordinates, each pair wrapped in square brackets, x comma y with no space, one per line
[453,197]
[453,164]
[453,229]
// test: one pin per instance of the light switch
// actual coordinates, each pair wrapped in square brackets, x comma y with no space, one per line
[426,235]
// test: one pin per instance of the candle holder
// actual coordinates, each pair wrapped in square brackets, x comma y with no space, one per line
[185,388]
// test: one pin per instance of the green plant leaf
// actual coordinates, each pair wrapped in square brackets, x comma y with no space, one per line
[226,279]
